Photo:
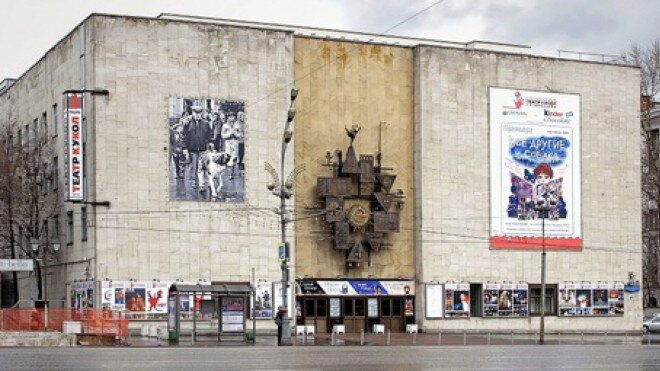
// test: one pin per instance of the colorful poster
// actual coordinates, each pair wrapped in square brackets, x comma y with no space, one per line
[74,146]
[135,297]
[277,289]
[534,162]
[262,302]
[434,296]
[207,148]
[457,300]
[157,297]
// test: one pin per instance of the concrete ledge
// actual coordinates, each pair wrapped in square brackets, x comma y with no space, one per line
[36,339]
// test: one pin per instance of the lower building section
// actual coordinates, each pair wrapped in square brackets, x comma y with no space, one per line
[357,305]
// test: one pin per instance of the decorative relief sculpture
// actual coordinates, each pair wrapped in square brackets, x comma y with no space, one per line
[358,202]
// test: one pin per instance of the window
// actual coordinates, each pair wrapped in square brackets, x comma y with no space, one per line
[44,125]
[20,137]
[55,179]
[83,223]
[535,300]
[45,183]
[26,132]
[53,120]
[56,227]
[35,128]
[45,229]
[69,227]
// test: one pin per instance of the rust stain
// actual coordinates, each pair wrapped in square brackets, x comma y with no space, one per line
[375,52]
[387,58]
[342,56]
[325,51]
[362,51]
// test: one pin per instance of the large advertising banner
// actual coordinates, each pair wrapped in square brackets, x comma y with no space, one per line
[74,130]
[534,158]
[206,150]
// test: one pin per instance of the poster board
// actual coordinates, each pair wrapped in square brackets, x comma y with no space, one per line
[586,299]
[335,308]
[233,314]
[505,300]
[534,155]
[372,307]
[457,300]
[434,300]
[262,301]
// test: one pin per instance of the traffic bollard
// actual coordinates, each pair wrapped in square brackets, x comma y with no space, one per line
[559,338]
[362,337]
[582,336]
[511,337]
[388,336]
[464,338]
[648,337]
[439,337]
[489,338]
[626,337]
[332,338]
[414,338]
[305,337]
[605,337]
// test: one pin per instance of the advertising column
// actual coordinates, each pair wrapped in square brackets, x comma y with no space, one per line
[534,157]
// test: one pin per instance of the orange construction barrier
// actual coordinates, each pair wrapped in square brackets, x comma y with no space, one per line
[93,321]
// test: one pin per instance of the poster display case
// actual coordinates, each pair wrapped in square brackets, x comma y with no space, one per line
[505,300]
[587,299]
[457,300]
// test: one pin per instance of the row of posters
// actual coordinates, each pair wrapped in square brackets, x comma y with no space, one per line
[534,157]
[589,299]
[505,300]
[138,297]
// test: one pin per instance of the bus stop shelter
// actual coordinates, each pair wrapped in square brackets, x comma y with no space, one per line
[226,302]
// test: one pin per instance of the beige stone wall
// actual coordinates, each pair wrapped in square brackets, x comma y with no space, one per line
[342,84]
[144,62]
[452,161]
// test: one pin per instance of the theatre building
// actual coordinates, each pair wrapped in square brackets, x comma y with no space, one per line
[427,175]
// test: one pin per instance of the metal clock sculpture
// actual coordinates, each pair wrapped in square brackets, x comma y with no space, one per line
[358,202]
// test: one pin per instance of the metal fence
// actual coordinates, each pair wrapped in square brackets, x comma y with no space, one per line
[93,321]
[478,338]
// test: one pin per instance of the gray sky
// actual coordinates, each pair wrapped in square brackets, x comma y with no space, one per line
[28,28]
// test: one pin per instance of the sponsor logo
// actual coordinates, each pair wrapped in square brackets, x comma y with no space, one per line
[541,102]
[569,114]
[512,112]
[518,101]
[554,114]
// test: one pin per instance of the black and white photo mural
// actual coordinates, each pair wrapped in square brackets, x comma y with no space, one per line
[206,150]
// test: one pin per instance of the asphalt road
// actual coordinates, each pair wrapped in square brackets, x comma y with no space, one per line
[596,357]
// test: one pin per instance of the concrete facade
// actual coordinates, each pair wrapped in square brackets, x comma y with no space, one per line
[435,102]
[452,178]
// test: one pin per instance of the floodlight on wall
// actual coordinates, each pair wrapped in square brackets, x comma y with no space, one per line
[294,93]
[34,243]
[56,244]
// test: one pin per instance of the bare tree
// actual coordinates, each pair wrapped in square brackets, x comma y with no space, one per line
[28,198]
[648,60]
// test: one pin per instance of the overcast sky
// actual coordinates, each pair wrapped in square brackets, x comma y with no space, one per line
[28,28]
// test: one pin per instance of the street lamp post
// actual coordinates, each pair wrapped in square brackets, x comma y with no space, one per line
[35,249]
[284,191]
[543,206]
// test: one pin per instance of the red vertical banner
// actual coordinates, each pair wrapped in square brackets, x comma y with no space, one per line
[75,165]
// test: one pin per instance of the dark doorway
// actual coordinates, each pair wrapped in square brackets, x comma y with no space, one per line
[316,313]
[391,313]
[355,314]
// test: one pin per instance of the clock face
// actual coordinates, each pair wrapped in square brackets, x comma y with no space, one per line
[358,216]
